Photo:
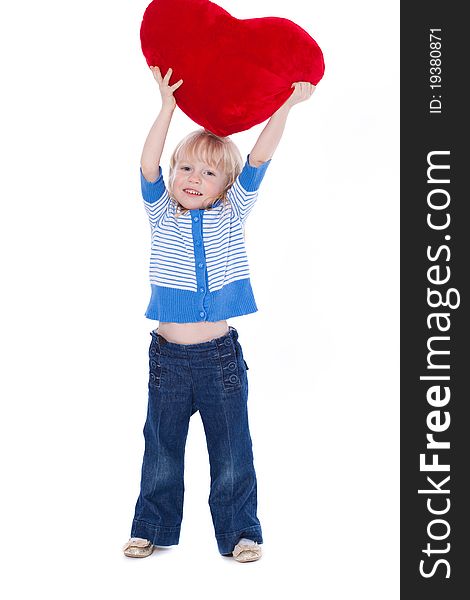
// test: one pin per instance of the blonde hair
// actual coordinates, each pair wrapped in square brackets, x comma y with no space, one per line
[217,152]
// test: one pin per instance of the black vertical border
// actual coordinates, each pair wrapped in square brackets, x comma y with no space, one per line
[421,133]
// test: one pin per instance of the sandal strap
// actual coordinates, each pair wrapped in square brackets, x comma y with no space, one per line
[136,543]
[239,548]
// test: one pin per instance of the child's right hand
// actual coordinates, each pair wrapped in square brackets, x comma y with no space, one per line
[166,90]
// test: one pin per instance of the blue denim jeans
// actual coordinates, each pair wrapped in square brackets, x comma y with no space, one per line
[185,378]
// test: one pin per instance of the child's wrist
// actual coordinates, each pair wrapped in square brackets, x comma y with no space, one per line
[285,108]
[168,107]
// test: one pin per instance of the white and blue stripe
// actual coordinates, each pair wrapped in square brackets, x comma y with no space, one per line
[198,265]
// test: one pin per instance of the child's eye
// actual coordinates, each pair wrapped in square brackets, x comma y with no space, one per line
[210,173]
[185,168]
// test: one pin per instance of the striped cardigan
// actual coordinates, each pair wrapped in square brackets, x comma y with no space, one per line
[198,264]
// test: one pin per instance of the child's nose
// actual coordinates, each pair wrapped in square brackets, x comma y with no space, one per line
[194,177]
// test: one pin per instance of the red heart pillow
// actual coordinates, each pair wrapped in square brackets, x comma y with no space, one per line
[236,72]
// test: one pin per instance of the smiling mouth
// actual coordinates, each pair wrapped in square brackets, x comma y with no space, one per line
[192,192]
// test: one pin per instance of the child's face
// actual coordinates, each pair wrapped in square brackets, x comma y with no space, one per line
[197,184]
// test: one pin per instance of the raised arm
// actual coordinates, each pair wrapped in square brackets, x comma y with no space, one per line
[271,135]
[155,141]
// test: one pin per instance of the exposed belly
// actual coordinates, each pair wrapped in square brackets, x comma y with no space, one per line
[192,333]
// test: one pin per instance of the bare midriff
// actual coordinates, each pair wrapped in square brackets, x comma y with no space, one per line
[192,333]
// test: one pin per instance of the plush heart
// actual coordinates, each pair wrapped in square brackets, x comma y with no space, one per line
[236,72]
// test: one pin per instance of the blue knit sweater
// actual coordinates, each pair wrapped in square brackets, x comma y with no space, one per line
[198,265]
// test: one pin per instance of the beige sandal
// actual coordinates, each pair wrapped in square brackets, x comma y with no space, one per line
[247,552]
[138,548]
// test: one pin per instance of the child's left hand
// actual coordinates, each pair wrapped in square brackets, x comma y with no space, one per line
[303,90]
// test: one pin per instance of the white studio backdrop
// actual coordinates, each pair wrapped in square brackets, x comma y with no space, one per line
[322,241]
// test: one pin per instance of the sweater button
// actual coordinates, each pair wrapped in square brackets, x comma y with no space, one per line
[200,265]
[196,219]
[201,290]
[201,314]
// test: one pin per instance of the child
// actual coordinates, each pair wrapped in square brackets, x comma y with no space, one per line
[199,278]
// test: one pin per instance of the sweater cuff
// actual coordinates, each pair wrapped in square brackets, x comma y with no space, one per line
[152,190]
[251,177]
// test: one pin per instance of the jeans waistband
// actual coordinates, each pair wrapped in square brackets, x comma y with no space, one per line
[211,345]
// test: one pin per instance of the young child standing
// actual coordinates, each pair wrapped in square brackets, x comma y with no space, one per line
[200,278]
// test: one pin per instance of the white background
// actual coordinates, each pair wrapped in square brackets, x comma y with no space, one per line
[77,103]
